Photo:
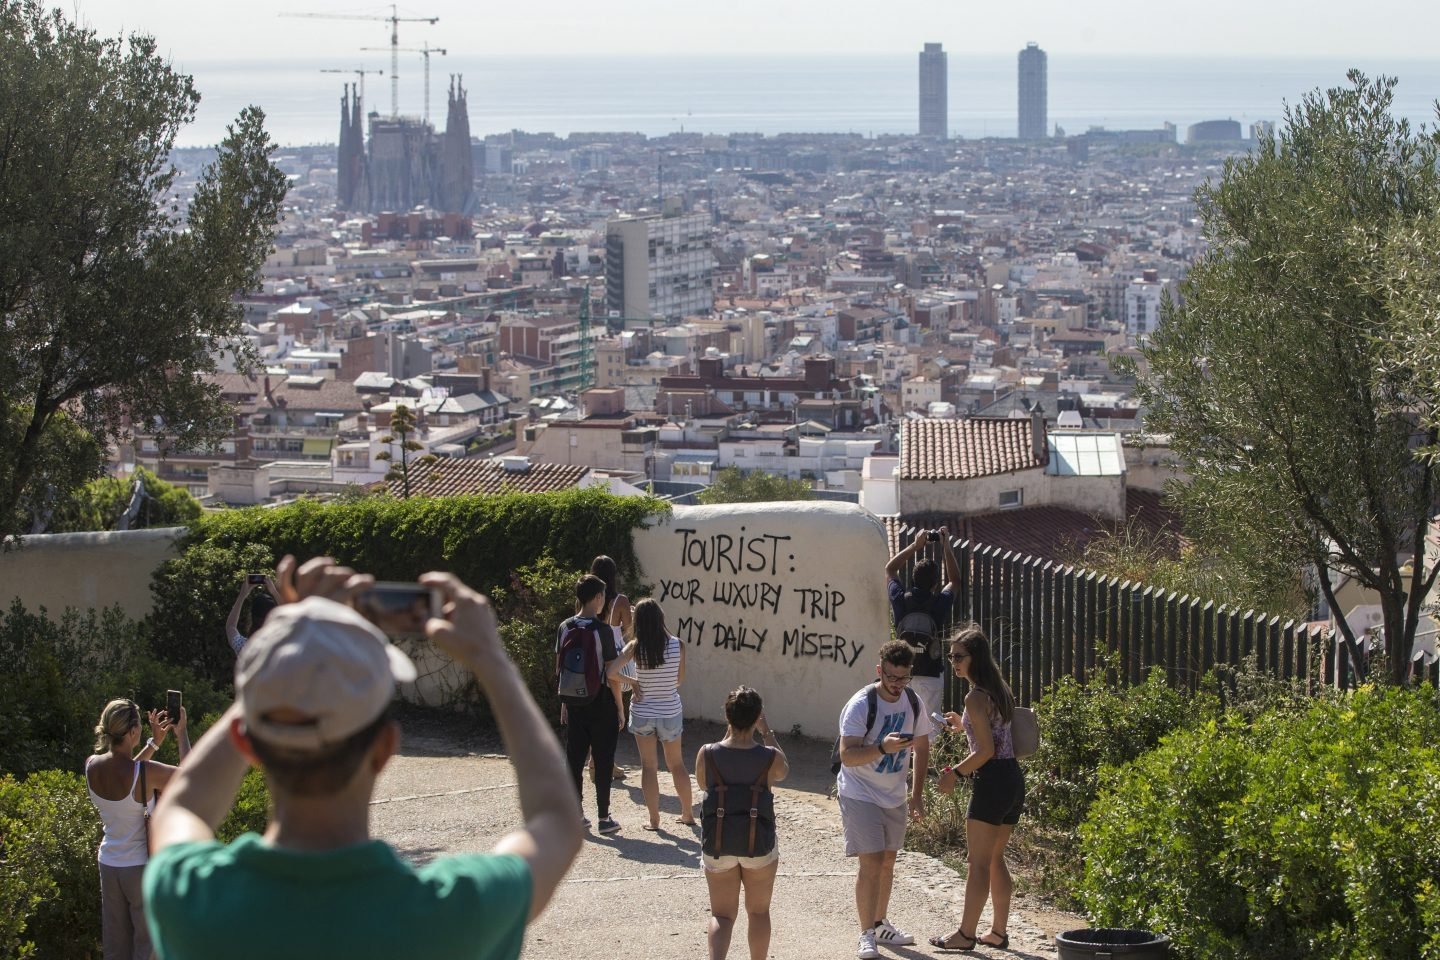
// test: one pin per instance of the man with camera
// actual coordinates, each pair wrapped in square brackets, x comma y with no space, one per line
[920,614]
[313,692]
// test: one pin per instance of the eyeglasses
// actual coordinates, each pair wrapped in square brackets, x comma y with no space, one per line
[889,678]
[957,657]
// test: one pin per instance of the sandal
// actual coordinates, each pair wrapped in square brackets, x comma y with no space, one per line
[1002,945]
[947,943]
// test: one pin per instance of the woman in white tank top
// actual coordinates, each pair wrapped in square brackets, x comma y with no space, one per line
[112,778]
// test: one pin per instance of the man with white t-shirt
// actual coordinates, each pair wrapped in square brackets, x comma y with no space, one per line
[880,727]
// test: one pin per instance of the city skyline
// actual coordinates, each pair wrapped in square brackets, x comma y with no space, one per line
[1329,28]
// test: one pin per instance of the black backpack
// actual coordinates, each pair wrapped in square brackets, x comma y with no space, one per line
[918,627]
[872,705]
[727,831]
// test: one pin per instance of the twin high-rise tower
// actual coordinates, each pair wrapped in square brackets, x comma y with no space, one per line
[934,100]
[934,104]
[1032,92]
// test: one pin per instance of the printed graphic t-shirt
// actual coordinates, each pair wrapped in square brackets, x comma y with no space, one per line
[882,781]
[249,900]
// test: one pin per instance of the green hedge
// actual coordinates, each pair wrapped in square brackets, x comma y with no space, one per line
[1313,834]
[482,540]
[49,878]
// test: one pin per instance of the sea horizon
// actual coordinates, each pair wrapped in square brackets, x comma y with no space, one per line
[868,94]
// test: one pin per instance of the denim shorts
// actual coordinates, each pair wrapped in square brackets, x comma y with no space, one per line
[666,728]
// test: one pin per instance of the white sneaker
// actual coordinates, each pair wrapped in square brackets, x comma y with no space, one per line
[889,935]
[865,949]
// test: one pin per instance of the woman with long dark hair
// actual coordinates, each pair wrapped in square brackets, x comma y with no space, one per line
[998,795]
[121,782]
[739,762]
[657,713]
[618,615]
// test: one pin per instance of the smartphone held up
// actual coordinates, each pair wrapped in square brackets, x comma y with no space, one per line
[399,609]
[172,706]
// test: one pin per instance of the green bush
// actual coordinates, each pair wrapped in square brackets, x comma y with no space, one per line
[1096,724]
[1313,834]
[59,674]
[481,539]
[99,504]
[49,881]
[193,594]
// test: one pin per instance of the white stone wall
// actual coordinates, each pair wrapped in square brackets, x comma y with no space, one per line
[788,598]
[1092,495]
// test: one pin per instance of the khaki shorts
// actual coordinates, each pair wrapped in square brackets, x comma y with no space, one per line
[871,828]
[722,864]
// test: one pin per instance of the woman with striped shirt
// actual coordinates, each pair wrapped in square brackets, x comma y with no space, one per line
[657,713]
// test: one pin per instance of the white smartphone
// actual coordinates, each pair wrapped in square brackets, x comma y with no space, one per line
[939,720]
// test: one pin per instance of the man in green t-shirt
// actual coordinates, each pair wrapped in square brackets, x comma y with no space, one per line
[313,690]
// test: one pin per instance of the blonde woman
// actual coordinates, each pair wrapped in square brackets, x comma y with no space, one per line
[114,775]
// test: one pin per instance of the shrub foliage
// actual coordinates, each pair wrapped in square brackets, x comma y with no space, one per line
[1313,834]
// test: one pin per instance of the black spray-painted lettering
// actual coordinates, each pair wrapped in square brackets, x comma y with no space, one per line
[801,642]
[690,630]
[820,603]
[739,637]
[724,553]
[766,596]
[685,591]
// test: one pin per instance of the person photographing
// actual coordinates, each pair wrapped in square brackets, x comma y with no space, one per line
[313,689]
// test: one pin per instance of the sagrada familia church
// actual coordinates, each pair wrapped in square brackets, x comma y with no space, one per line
[407,164]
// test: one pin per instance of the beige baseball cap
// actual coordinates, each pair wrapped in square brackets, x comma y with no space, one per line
[322,662]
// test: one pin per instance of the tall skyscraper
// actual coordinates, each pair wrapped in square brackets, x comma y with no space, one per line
[934,106]
[1032,93]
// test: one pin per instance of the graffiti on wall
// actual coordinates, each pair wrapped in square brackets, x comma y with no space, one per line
[720,580]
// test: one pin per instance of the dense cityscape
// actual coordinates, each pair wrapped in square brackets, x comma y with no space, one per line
[644,312]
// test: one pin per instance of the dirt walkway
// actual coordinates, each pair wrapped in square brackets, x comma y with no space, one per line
[641,894]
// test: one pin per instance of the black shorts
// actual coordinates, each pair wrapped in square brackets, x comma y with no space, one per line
[999,792]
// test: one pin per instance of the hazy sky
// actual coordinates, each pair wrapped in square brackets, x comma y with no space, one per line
[196,30]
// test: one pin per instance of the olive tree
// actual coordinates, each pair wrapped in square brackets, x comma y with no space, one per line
[113,292]
[1281,376]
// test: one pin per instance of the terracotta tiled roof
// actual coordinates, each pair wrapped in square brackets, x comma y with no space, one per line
[960,449]
[447,478]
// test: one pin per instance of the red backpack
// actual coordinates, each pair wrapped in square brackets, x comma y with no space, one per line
[580,661]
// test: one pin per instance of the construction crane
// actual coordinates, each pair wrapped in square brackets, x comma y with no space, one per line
[424,51]
[394,20]
[359,73]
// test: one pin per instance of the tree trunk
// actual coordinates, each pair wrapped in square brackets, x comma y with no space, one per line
[1398,640]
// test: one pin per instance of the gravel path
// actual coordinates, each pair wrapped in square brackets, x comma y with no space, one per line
[641,894]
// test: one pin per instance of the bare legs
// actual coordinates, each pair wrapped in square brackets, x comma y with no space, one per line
[650,777]
[872,887]
[675,763]
[987,876]
[725,887]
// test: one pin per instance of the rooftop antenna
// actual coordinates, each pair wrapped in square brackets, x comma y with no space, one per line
[394,20]
[424,51]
